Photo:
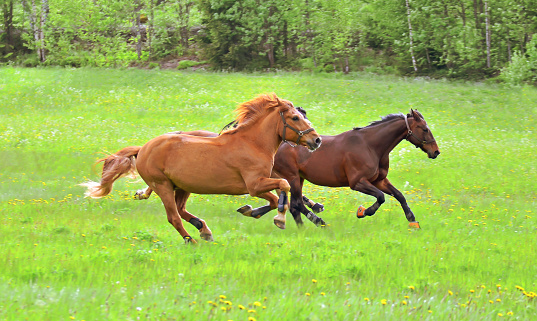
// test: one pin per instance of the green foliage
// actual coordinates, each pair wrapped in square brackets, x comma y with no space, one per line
[523,67]
[184,64]
[449,38]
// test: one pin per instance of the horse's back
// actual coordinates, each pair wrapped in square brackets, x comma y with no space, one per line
[201,165]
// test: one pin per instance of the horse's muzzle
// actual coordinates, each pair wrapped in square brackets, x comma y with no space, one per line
[315,144]
[434,154]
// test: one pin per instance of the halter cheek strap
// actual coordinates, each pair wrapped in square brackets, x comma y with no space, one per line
[299,132]
[411,133]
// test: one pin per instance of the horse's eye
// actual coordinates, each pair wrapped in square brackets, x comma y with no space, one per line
[426,130]
[295,118]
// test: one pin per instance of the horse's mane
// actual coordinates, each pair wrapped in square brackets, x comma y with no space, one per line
[388,118]
[249,112]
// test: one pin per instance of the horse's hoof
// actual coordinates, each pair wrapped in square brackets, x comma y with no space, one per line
[415,225]
[207,237]
[360,213]
[139,195]
[246,210]
[280,224]
[317,208]
[189,240]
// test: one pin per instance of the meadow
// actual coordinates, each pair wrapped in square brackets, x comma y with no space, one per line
[66,257]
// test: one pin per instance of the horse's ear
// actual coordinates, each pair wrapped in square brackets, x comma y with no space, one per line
[416,115]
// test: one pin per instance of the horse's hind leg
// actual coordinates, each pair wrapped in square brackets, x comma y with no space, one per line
[166,193]
[386,186]
[364,186]
[297,205]
[247,210]
[181,197]
[315,207]
[143,194]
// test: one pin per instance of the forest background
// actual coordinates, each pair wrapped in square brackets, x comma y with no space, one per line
[468,39]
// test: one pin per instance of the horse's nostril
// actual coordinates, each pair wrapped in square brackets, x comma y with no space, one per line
[437,153]
[318,141]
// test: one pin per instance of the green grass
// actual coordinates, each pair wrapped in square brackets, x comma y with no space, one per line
[65,257]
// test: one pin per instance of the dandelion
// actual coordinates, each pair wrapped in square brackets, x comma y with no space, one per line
[323,294]
[491,302]
[406,297]
[510,313]
[223,309]
[308,294]
[251,319]
[472,291]
[257,304]
[241,307]
[383,301]
[223,297]
[411,287]
[314,281]
[251,311]
[500,314]
[403,302]
[449,292]
[366,299]
[498,300]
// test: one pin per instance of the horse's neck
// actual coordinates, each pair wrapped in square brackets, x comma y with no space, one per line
[264,133]
[384,137]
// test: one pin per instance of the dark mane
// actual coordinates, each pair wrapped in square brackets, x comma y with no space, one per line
[385,119]
[388,118]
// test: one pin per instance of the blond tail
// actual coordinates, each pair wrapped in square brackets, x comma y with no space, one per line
[115,166]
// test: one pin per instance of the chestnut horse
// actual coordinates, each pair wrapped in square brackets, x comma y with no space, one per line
[239,161]
[247,210]
[358,158]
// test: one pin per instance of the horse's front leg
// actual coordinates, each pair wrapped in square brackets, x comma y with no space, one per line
[247,210]
[298,207]
[259,186]
[386,186]
[364,186]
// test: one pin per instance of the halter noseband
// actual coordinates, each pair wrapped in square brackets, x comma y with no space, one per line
[299,132]
[410,133]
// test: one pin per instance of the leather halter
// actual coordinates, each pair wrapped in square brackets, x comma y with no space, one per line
[299,132]
[410,133]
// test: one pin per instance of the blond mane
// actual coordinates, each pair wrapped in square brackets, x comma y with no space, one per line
[249,112]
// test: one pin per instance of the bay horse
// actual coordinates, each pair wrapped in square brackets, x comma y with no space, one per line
[359,159]
[239,161]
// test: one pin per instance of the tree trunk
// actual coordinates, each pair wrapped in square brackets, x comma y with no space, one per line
[43,20]
[347,68]
[151,25]
[463,13]
[138,29]
[508,47]
[487,32]
[37,27]
[414,64]
[8,23]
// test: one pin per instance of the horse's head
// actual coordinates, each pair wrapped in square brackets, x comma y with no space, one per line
[296,127]
[420,135]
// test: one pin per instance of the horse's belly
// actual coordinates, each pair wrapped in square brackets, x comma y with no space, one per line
[206,179]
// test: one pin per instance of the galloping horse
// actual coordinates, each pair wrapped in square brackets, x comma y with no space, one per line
[358,158]
[237,162]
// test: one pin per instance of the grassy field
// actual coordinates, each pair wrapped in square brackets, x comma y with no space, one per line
[65,257]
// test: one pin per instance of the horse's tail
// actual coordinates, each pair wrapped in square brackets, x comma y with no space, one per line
[115,166]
